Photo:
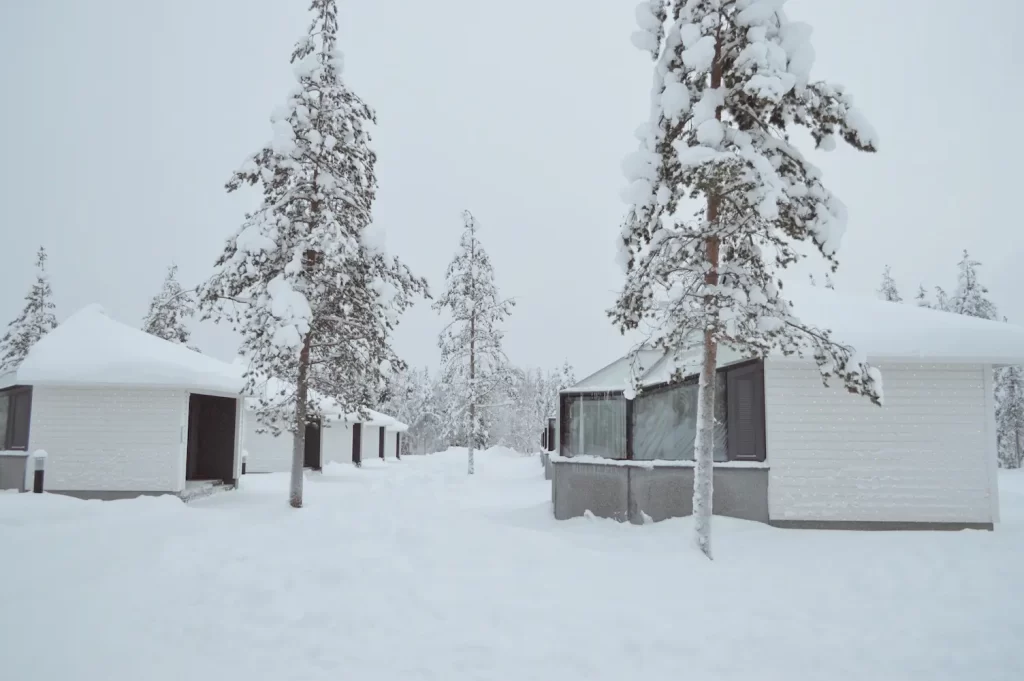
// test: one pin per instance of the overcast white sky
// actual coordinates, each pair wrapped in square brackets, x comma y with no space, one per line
[122,120]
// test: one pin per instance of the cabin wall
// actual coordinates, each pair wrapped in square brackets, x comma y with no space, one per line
[337,443]
[266,453]
[109,439]
[371,443]
[924,457]
[390,443]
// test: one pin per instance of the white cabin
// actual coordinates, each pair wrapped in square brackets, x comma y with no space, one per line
[120,413]
[794,452]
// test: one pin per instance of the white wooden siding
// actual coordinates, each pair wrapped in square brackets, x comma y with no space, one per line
[922,457]
[371,443]
[389,444]
[109,439]
[267,454]
[337,443]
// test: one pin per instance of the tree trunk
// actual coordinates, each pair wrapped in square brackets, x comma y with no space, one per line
[299,437]
[472,355]
[704,446]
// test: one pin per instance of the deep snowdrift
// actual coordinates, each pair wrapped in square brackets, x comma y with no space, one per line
[413,570]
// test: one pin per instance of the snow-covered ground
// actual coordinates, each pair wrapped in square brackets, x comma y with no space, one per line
[411,570]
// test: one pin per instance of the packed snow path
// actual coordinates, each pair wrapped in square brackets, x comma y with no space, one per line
[412,570]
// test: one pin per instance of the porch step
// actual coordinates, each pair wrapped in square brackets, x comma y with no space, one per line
[197,489]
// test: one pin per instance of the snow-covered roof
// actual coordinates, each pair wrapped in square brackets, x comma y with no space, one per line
[275,389]
[91,348]
[893,331]
[654,367]
[878,329]
[616,375]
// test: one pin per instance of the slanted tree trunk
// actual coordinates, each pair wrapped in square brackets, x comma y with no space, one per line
[299,437]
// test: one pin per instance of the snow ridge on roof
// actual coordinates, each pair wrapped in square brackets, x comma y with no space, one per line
[875,328]
[91,348]
[884,330]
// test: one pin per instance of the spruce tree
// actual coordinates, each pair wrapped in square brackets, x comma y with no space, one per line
[169,310]
[970,297]
[1010,416]
[35,320]
[887,291]
[731,82]
[305,280]
[921,299]
[473,363]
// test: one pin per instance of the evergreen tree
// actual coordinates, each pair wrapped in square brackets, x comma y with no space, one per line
[970,296]
[169,310]
[888,289]
[1010,416]
[731,81]
[473,363]
[305,279]
[35,320]
[921,299]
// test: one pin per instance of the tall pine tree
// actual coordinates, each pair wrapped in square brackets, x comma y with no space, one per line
[35,320]
[473,363]
[887,291]
[731,82]
[169,310]
[305,279]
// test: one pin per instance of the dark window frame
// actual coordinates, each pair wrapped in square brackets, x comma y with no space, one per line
[13,394]
[565,398]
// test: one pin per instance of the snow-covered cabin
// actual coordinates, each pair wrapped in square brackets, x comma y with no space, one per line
[789,450]
[338,438]
[121,413]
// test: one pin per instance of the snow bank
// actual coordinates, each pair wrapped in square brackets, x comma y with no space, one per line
[90,348]
[414,570]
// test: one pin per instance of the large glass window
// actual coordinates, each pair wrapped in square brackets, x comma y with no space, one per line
[5,407]
[15,407]
[665,422]
[597,426]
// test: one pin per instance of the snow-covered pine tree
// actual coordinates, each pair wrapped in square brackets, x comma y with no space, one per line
[35,320]
[969,298]
[731,81]
[887,291]
[1010,416]
[305,280]
[473,363]
[169,310]
[921,299]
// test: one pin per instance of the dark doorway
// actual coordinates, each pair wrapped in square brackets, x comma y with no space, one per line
[312,456]
[398,445]
[357,444]
[211,439]
[382,442]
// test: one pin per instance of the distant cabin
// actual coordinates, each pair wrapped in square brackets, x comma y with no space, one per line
[788,449]
[120,413]
[337,438]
